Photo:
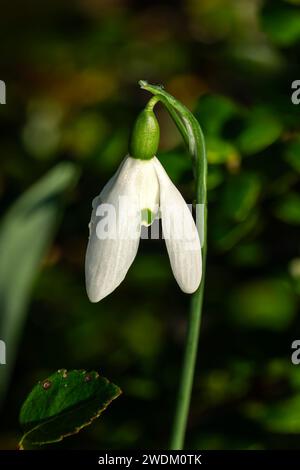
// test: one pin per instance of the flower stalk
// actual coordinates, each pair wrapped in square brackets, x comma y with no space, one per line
[194,139]
[195,316]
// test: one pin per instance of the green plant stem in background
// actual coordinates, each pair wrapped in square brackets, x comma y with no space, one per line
[194,139]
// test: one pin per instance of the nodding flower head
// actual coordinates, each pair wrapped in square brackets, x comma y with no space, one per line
[138,193]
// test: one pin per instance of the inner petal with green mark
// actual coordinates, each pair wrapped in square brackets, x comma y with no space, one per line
[147,217]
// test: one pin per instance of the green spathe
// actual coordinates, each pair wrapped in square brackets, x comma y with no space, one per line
[145,136]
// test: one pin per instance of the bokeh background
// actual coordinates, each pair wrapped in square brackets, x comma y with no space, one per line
[71,70]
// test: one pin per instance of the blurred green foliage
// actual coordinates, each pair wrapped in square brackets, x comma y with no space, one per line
[71,70]
[26,232]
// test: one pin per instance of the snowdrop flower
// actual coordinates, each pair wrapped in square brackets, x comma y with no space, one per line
[139,192]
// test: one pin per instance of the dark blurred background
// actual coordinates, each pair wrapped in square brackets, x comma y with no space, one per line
[71,71]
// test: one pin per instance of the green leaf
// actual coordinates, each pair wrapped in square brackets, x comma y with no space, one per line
[261,129]
[63,404]
[281,417]
[288,209]
[213,111]
[266,303]
[226,234]
[282,23]
[240,195]
[220,151]
[25,234]
[248,254]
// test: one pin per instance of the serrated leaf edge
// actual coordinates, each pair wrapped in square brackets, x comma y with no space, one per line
[76,430]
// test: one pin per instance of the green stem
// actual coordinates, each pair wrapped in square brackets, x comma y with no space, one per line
[188,366]
[195,316]
[151,103]
[194,139]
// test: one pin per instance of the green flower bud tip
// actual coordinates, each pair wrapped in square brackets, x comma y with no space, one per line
[145,135]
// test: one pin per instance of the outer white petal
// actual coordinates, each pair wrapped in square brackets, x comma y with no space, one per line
[105,191]
[108,260]
[180,233]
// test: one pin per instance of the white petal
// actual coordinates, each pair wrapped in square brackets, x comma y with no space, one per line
[148,186]
[105,191]
[108,260]
[180,233]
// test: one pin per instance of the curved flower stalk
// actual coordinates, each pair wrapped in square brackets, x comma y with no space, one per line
[140,192]
[193,137]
